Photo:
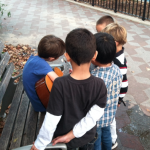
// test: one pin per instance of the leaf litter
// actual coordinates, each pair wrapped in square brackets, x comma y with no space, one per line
[18,56]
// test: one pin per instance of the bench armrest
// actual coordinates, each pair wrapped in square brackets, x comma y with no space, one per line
[61,66]
[14,78]
[59,145]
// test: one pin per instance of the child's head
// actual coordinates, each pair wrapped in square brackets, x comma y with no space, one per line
[51,46]
[118,32]
[80,46]
[106,47]
[103,22]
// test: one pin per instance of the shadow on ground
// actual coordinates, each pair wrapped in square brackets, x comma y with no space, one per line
[133,128]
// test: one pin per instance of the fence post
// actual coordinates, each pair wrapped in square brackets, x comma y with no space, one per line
[115,6]
[144,10]
[92,2]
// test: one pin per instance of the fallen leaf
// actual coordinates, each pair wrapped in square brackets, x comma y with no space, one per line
[9,106]
[25,48]
[15,140]
[24,62]
[148,110]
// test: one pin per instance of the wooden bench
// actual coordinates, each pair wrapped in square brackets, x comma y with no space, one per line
[23,123]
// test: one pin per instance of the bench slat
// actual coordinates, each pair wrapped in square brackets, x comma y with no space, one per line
[6,133]
[30,127]
[3,62]
[5,81]
[1,46]
[20,122]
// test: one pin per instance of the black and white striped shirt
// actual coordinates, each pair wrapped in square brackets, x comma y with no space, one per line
[121,62]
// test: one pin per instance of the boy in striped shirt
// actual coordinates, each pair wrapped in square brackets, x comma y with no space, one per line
[120,35]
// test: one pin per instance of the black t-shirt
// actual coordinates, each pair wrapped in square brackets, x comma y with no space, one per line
[73,99]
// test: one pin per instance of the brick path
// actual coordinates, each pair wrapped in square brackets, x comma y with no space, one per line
[33,19]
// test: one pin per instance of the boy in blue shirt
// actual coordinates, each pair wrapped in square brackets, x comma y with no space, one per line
[49,49]
[112,77]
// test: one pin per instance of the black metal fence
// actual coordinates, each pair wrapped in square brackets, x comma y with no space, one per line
[137,8]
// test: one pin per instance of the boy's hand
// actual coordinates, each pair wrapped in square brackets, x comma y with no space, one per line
[33,148]
[118,105]
[64,139]
[70,70]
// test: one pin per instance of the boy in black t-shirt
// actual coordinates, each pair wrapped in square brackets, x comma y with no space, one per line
[77,100]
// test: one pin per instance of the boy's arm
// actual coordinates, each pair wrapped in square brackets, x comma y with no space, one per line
[52,75]
[85,124]
[46,132]
[124,86]
[88,122]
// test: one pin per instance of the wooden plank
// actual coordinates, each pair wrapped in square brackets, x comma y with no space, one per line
[1,46]
[40,121]
[3,62]
[7,131]
[30,127]
[20,122]
[5,80]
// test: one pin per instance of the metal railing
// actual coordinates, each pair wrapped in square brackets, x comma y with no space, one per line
[137,8]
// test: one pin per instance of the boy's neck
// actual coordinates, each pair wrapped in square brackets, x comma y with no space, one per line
[104,65]
[96,63]
[119,48]
[80,72]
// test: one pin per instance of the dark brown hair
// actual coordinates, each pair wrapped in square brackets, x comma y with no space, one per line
[80,45]
[105,19]
[106,47]
[51,46]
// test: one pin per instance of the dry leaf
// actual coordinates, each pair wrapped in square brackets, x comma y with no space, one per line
[25,48]
[148,110]
[24,62]
[15,140]
[9,106]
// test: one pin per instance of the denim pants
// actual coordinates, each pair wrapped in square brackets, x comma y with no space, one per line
[104,141]
[88,146]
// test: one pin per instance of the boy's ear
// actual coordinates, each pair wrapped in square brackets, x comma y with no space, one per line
[67,57]
[117,43]
[95,55]
[51,59]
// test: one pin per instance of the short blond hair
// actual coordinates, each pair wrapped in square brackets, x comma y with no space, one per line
[117,31]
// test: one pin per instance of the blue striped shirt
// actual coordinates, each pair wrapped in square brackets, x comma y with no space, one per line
[113,80]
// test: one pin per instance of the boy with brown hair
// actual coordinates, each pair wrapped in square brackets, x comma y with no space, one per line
[77,100]
[100,25]
[120,36]
[49,49]
[103,22]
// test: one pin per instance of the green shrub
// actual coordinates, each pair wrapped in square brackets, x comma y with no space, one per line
[3,11]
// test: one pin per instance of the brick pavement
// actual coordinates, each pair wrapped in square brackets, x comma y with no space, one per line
[32,19]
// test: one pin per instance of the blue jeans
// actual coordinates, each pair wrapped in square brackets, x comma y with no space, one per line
[104,140]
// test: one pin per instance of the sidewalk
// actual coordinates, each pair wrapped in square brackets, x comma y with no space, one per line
[31,20]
